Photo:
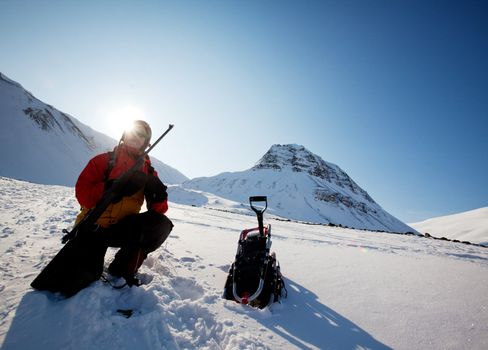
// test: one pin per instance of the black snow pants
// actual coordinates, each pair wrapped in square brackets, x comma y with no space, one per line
[136,235]
[80,262]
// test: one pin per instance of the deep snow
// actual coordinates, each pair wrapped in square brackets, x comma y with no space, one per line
[347,289]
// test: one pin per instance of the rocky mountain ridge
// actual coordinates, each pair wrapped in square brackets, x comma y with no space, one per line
[298,159]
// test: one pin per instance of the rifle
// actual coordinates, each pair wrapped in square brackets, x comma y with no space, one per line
[94,214]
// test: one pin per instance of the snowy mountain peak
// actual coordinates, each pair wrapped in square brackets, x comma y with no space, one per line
[299,159]
[300,185]
[292,156]
[45,116]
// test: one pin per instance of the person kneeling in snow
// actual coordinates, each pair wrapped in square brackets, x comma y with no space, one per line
[122,225]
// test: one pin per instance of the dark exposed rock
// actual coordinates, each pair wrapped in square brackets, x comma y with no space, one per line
[299,159]
[44,118]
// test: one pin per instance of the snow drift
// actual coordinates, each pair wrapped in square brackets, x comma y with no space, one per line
[471,226]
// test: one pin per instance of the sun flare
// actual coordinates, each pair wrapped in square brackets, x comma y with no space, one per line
[121,119]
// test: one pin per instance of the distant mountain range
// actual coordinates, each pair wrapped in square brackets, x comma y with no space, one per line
[302,186]
[41,144]
[471,226]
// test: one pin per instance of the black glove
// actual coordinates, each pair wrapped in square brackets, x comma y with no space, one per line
[124,188]
[155,190]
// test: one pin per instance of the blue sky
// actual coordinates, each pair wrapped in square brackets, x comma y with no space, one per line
[394,92]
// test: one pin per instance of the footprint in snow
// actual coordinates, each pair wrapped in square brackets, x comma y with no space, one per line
[7,231]
[190,262]
[188,259]
[187,288]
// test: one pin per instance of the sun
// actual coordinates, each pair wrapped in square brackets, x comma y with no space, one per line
[121,118]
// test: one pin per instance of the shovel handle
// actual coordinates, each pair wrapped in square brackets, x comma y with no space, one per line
[255,199]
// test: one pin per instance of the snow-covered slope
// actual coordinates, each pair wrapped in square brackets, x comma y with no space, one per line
[347,289]
[471,226]
[38,143]
[302,186]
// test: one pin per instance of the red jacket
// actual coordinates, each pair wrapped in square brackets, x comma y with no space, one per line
[92,180]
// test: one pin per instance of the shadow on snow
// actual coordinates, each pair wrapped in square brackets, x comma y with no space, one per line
[43,320]
[88,320]
[305,323]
